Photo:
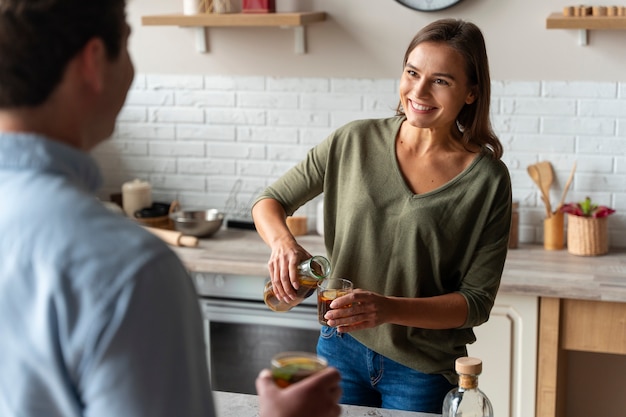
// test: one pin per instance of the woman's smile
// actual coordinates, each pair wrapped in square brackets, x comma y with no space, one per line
[420,107]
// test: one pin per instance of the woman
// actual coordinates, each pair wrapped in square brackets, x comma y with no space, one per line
[417,211]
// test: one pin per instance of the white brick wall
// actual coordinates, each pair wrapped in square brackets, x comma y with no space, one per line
[216,141]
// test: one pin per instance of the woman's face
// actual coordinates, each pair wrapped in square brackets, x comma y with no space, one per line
[434,87]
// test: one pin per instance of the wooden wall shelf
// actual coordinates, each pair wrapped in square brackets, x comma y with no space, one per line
[202,21]
[585,23]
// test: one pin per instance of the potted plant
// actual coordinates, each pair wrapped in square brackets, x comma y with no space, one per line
[587,228]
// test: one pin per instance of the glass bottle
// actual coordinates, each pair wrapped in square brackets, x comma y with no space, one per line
[310,272]
[467,400]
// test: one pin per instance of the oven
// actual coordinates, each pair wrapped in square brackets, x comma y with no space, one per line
[242,333]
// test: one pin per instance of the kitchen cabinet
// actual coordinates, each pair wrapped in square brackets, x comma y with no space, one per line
[573,325]
[585,23]
[507,345]
[200,22]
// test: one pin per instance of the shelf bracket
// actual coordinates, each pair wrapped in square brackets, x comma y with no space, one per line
[583,37]
[201,45]
[299,38]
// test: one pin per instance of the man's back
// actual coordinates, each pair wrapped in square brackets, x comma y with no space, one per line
[97,316]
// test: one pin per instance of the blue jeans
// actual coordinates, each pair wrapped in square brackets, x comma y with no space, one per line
[370,379]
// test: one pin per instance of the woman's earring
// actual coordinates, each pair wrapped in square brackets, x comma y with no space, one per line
[459,126]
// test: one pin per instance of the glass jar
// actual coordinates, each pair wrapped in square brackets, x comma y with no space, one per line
[136,195]
[310,272]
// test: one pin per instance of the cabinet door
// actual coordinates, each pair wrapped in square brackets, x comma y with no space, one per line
[507,345]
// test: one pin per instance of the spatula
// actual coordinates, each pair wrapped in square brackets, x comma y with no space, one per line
[546,176]
[533,172]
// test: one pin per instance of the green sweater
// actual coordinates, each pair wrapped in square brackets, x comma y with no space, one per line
[386,239]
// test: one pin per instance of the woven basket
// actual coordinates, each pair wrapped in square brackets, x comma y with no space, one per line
[587,236]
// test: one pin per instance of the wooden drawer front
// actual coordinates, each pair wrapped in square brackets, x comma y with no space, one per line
[593,326]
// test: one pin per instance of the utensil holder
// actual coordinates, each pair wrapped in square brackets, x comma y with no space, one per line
[297,225]
[553,232]
[587,236]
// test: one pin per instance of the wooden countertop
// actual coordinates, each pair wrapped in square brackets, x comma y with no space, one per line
[529,270]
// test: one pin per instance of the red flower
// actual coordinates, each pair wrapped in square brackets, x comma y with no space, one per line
[587,209]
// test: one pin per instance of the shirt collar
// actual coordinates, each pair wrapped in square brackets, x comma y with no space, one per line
[29,151]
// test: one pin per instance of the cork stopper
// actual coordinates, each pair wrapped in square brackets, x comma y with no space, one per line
[468,366]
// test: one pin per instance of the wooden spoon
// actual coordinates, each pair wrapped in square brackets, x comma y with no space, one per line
[546,176]
[567,184]
[533,171]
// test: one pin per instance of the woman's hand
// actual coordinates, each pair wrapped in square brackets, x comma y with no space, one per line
[315,396]
[283,268]
[269,218]
[358,310]
[365,309]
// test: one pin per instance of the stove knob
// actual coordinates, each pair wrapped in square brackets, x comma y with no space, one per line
[219,281]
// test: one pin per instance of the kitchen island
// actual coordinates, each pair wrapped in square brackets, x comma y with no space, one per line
[582,300]
[244,405]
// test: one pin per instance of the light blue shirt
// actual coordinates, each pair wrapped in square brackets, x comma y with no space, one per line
[97,316]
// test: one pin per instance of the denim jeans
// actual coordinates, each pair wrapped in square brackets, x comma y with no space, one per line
[370,379]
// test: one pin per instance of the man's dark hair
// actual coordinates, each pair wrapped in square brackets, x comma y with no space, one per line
[39,37]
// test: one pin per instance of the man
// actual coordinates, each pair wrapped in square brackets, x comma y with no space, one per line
[97,316]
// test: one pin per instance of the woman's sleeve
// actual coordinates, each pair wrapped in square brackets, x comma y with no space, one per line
[480,284]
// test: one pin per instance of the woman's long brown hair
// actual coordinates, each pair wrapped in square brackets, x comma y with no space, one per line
[467,39]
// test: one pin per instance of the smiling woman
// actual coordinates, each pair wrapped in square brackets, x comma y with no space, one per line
[434,87]
[417,212]
[467,41]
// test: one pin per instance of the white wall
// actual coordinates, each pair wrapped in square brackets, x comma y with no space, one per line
[367,39]
[216,141]
[213,129]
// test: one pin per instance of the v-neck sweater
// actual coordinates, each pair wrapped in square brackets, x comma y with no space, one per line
[389,240]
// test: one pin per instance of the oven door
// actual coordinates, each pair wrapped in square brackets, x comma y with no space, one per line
[243,335]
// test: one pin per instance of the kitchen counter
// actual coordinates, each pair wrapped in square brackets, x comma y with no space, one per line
[529,270]
[244,405]
[582,300]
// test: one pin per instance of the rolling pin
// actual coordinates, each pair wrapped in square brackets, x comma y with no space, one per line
[172,237]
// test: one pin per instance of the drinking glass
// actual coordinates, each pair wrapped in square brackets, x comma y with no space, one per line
[291,367]
[327,291]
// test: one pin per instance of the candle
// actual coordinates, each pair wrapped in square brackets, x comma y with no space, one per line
[191,6]
[136,195]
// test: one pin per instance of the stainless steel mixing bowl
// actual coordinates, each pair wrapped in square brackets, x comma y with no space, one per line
[199,223]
